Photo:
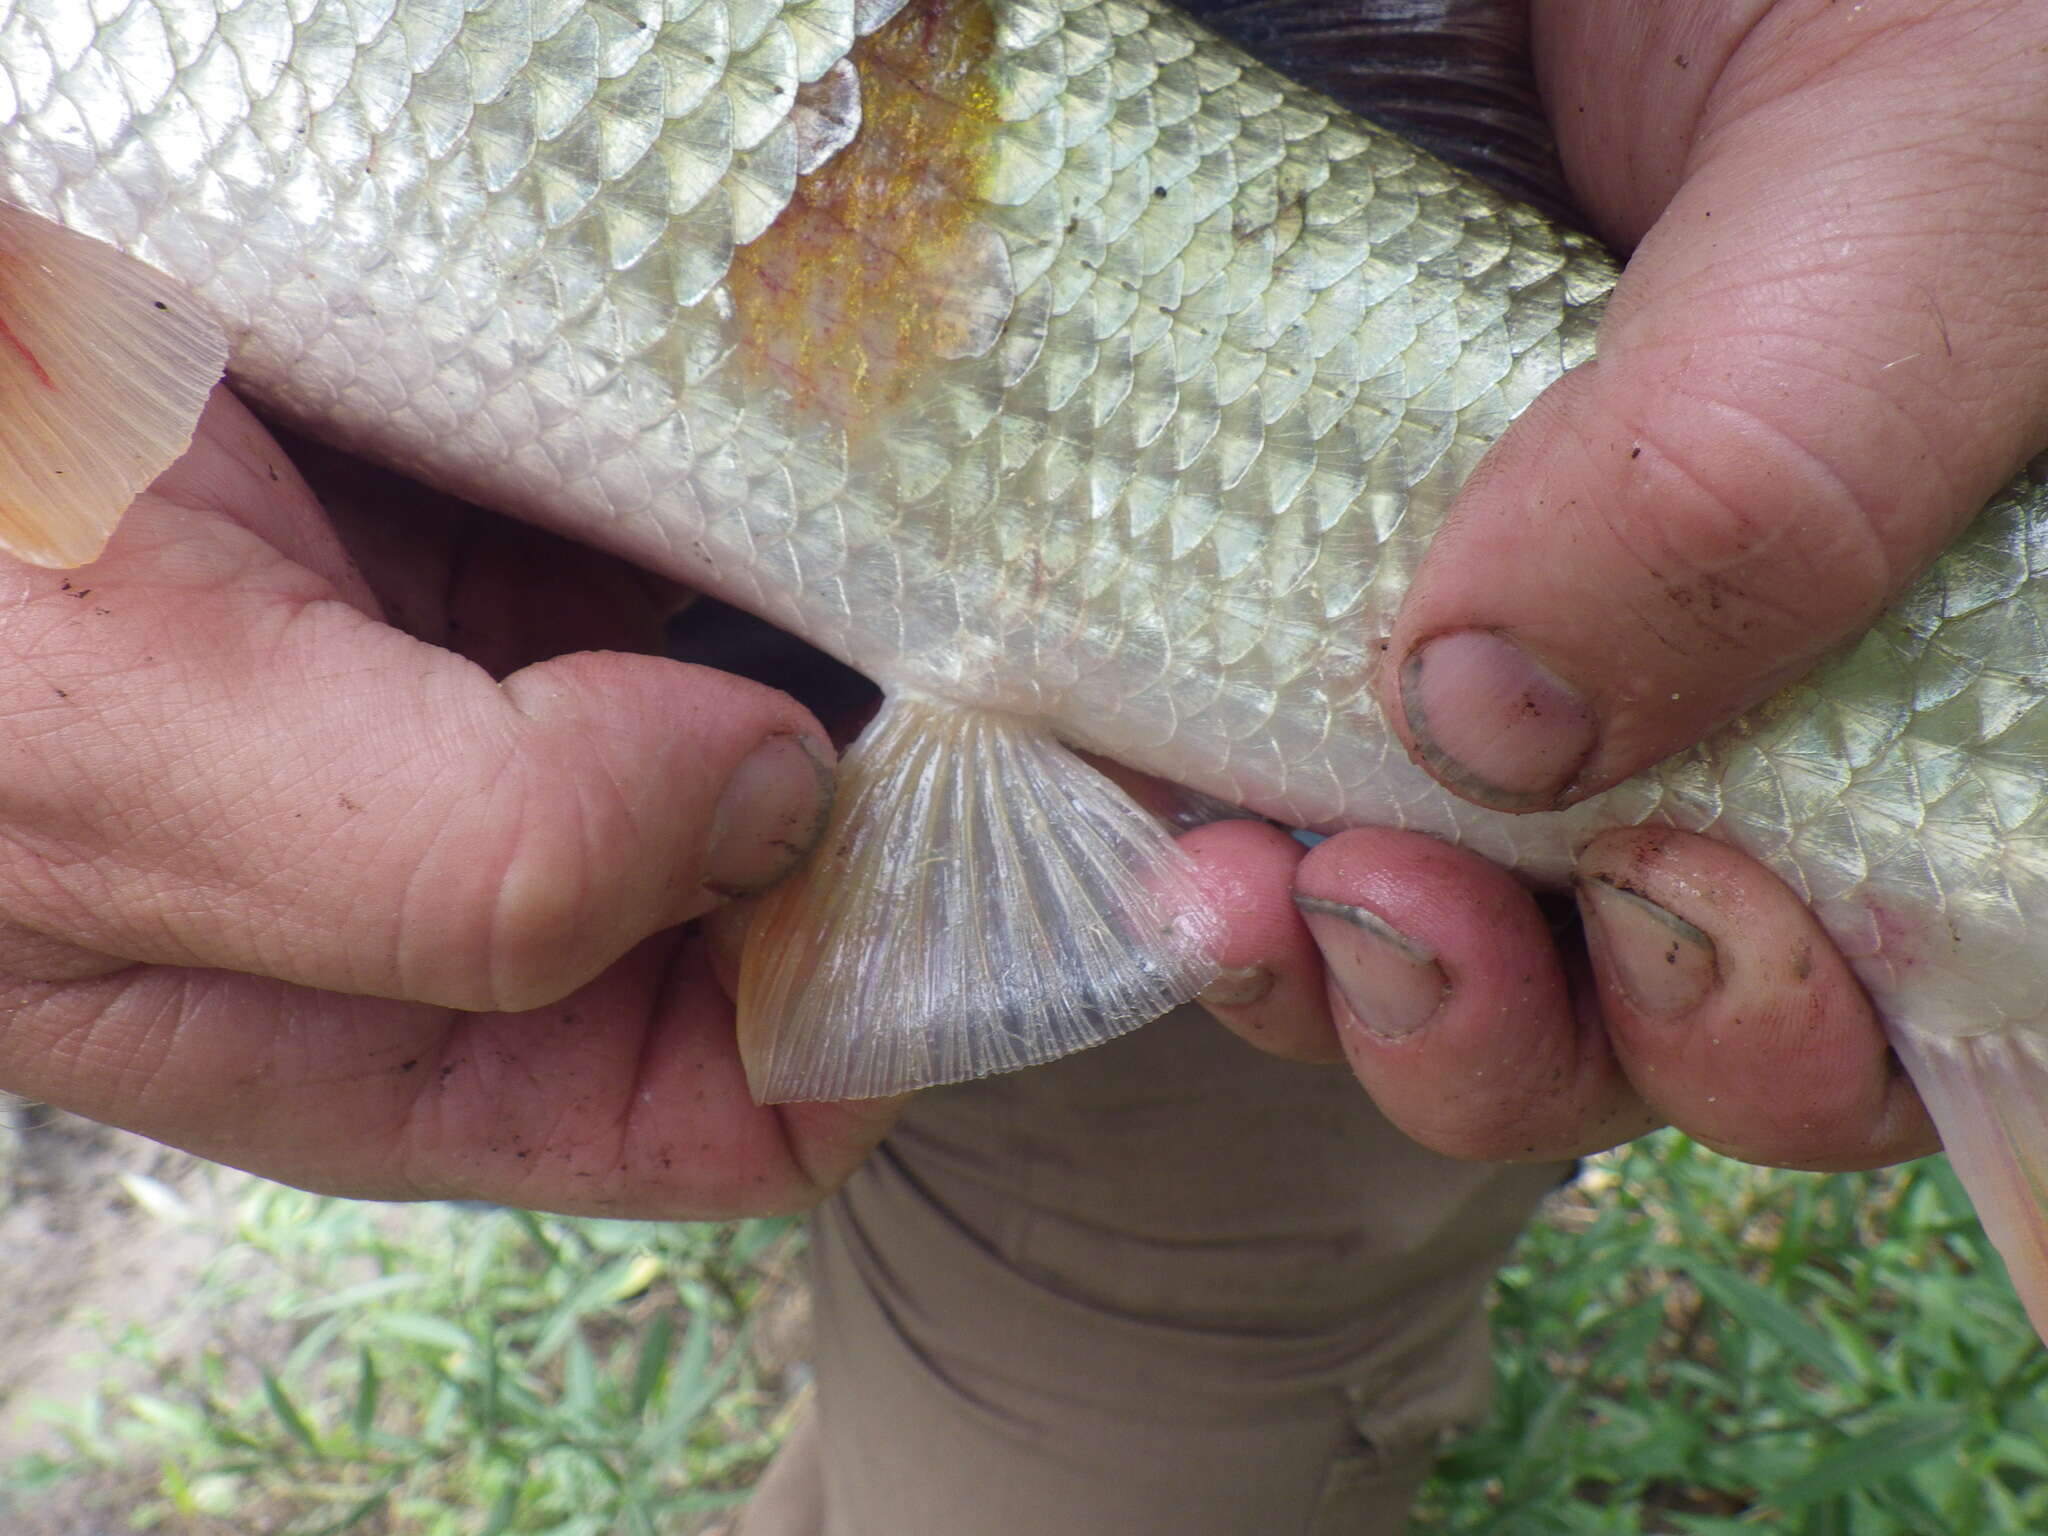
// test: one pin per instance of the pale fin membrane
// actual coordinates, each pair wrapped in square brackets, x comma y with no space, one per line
[1986,1094]
[982,901]
[105,365]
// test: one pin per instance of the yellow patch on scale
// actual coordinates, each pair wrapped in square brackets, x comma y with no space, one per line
[867,276]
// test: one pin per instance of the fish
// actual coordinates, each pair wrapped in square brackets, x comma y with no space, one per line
[1089,385]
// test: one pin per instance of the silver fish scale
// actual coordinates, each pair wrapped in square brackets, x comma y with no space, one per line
[1900,787]
[1214,357]
[435,229]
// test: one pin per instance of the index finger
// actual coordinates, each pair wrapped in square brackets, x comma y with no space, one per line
[1822,360]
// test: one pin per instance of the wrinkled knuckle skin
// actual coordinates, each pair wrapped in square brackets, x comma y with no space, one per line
[473,949]
[27,955]
[1759,580]
[559,909]
[485,893]
[539,936]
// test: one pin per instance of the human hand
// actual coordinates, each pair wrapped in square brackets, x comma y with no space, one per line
[309,894]
[1825,355]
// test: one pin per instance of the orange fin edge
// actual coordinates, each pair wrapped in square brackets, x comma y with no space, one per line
[105,365]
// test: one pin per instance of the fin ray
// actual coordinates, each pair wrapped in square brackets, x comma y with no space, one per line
[982,901]
[1985,1093]
[105,365]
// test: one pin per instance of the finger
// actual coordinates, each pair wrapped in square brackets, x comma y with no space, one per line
[725,938]
[1737,1019]
[1816,366]
[235,470]
[1453,1006]
[24,952]
[215,757]
[1271,993]
[624,1098]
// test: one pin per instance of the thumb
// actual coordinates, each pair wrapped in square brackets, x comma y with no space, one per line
[1826,355]
[219,759]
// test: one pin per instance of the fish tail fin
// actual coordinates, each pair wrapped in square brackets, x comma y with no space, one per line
[982,900]
[105,365]
[1986,1094]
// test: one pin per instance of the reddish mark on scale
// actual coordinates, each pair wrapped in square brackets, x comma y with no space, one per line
[20,349]
[1907,939]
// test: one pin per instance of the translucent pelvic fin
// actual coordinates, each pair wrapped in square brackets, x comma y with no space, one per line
[983,900]
[1986,1094]
[105,364]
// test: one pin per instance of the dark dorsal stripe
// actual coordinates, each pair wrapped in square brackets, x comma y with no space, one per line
[1453,75]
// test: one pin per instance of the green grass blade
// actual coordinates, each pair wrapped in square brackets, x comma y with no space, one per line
[421,1328]
[653,1361]
[351,1297]
[502,1512]
[288,1415]
[354,1516]
[362,1415]
[579,1380]
[1873,1456]
[1761,1312]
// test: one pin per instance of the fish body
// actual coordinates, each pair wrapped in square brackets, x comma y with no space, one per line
[1072,375]
[1134,420]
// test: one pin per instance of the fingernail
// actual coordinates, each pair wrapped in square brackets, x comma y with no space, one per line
[1238,987]
[1661,963]
[1392,984]
[1494,724]
[773,809]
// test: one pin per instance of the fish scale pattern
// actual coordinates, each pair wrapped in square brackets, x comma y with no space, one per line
[1261,345]
[1243,347]
[441,230]
[1249,349]
[1899,787]
[1213,357]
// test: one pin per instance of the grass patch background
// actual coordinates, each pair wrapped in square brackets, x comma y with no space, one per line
[1684,1344]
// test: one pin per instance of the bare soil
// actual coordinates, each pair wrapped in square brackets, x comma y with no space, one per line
[83,1256]
[102,1232]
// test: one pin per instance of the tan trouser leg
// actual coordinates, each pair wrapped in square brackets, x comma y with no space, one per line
[1169,1286]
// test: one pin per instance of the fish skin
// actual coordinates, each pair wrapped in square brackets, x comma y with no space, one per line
[1179,368]
[1249,345]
